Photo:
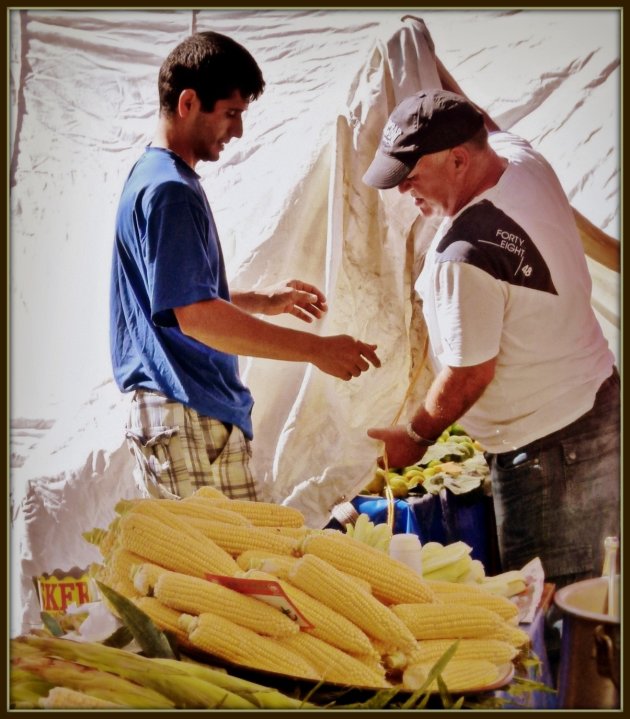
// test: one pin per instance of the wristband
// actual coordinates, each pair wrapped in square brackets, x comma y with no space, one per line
[417,438]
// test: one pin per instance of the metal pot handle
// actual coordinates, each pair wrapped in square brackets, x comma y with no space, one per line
[605,655]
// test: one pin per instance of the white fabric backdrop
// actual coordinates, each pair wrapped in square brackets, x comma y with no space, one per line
[288,201]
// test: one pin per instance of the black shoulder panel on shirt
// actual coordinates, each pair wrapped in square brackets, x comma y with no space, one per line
[484,236]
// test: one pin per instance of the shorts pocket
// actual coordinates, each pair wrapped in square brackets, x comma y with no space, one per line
[155,464]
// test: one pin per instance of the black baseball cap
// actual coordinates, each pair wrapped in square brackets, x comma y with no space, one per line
[427,122]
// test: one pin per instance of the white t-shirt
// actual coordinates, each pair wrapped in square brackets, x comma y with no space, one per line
[507,277]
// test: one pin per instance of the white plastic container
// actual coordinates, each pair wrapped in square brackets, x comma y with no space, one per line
[406,549]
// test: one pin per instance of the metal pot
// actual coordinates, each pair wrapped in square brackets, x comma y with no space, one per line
[589,657]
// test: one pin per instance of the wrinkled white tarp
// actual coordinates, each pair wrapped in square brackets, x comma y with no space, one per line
[288,201]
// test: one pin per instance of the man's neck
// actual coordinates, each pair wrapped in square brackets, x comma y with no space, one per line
[166,137]
[484,176]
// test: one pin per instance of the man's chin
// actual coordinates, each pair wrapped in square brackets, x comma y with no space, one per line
[425,210]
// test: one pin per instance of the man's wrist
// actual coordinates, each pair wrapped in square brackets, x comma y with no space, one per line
[415,437]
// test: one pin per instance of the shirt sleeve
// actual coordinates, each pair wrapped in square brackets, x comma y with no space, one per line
[468,314]
[182,255]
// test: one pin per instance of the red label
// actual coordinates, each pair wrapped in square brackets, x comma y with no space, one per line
[268,591]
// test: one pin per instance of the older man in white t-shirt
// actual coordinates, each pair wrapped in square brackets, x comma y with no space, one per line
[520,358]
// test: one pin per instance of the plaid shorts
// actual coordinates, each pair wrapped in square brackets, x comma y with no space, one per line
[177,450]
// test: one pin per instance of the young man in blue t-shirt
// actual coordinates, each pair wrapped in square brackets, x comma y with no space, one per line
[176,329]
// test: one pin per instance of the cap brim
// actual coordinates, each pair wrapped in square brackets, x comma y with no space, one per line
[385,172]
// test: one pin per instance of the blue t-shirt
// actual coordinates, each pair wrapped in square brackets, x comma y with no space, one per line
[167,254]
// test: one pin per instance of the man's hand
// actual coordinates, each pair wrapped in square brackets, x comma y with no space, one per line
[300,299]
[400,449]
[297,298]
[344,357]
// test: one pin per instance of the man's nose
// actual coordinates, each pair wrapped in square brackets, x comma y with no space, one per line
[237,128]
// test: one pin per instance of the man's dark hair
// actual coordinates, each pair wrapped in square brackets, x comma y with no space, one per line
[211,64]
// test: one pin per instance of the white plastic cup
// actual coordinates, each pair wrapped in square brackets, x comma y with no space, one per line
[406,549]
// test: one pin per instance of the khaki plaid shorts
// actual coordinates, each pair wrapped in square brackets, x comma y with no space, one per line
[177,450]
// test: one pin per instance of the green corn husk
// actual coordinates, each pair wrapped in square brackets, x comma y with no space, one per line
[155,645]
[23,697]
[21,649]
[98,683]
[26,688]
[261,696]
[151,640]
[182,688]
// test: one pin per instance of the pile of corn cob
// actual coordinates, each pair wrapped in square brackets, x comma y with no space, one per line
[373,622]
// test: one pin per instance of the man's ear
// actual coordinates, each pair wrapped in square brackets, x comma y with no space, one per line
[461,157]
[187,100]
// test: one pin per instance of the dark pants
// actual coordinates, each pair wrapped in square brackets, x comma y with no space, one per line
[558,497]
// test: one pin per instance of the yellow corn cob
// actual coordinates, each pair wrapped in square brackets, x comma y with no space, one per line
[268,514]
[392,581]
[165,618]
[394,660]
[144,577]
[277,564]
[459,675]
[204,509]
[236,539]
[441,586]
[195,596]
[295,532]
[120,563]
[372,661]
[262,514]
[240,645]
[184,550]
[321,580]
[506,609]
[64,698]
[153,508]
[494,650]
[516,636]
[333,664]
[116,572]
[448,621]
[209,492]
[110,539]
[327,624]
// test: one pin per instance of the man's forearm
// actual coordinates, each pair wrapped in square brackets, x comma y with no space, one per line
[251,302]
[231,328]
[452,393]
[225,327]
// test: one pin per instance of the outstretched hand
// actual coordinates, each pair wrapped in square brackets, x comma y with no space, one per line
[297,298]
[343,356]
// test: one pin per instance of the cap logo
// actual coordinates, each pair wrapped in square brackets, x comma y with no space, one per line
[391,133]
